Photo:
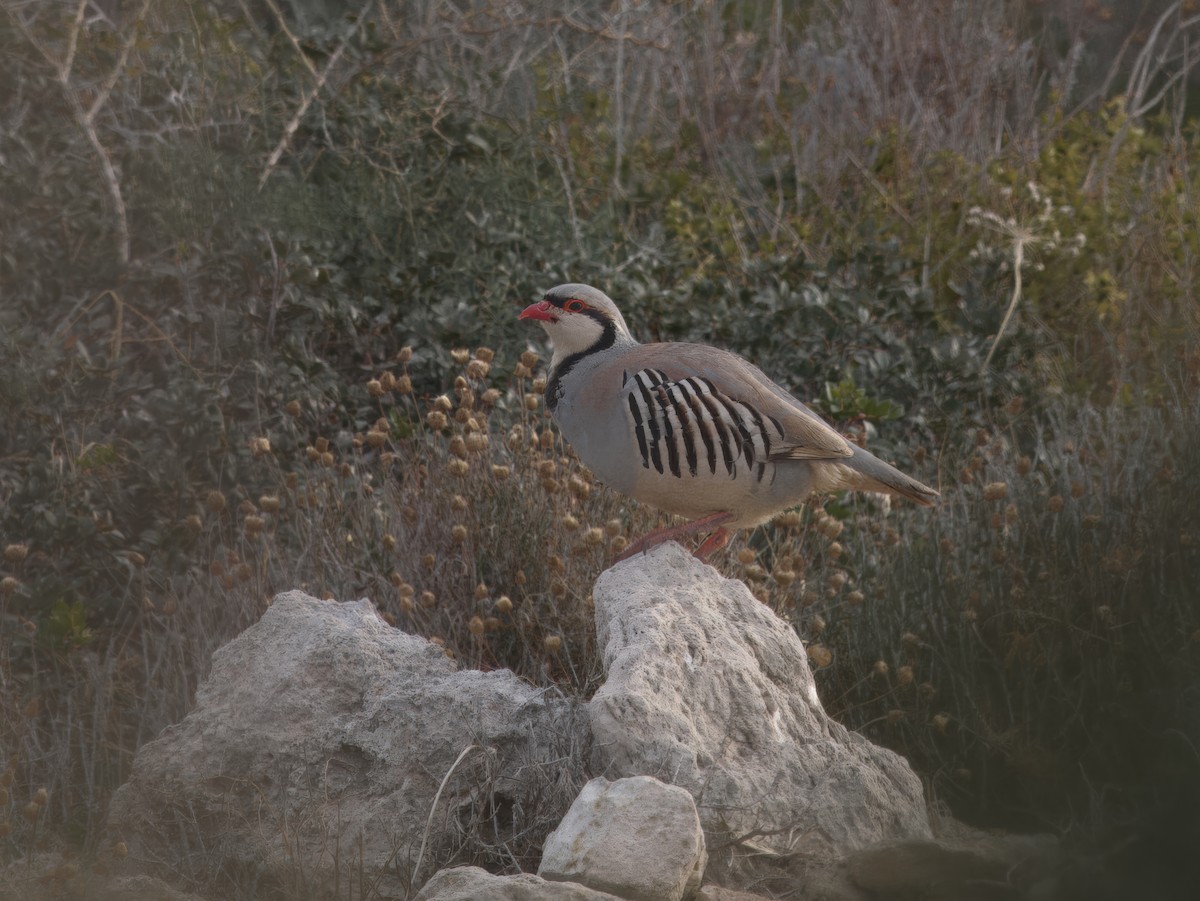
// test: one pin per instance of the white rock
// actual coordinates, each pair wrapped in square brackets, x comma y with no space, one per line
[709,690]
[474,884]
[638,838]
[318,743]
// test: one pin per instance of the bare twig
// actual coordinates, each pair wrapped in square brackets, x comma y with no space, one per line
[306,102]
[1018,260]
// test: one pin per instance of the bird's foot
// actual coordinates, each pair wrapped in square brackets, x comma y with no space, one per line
[714,542]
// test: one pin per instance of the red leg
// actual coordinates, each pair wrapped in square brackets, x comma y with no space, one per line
[712,544]
[717,540]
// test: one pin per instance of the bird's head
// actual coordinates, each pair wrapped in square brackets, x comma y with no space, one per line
[578,318]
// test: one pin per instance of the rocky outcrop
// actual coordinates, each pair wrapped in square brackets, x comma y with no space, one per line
[709,690]
[316,750]
[329,754]
[636,838]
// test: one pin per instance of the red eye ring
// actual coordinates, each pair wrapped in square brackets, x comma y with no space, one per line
[575,306]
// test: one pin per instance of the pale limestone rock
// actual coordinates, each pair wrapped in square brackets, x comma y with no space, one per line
[709,690]
[474,884]
[638,838]
[319,741]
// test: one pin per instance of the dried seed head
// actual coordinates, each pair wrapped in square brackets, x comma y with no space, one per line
[855,598]
[784,577]
[837,579]
[312,453]
[832,527]
[880,668]
[460,355]
[746,556]
[321,444]
[429,560]
[546,439]
[994,491]
[558,589]
[556,565]
[475,626]
[8,585]
[835,549]
[458,447]
[326,459]
[819,655]
[946,545]
[458,534]
[552,644]
[539,384]
[403,385]
[504,604]
[594,536]
[817,624]
[1077,489]
[788,520]
[570,523]
[40,797]
[254,523]
[941,722]
[500,473]
[1055,504]
[215,501]
[478,369]
[292,407]
[458,468]
[458,503]
[404,354]
[481,591]
[1011,516]
[436,420]
[428,599]
[388,381]
[443,403]
[490,396]
[15,553]
[269,503]
[260,446]
[613,527]
[1092,520]
[485,353]
[376,438]
[121,850]
[910,640]
[895,715]
[619,543]
[529,359]
[477,442]
[1024,465]
[578,487]
[904,675]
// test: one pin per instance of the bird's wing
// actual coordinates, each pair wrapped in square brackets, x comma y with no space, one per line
[738,395]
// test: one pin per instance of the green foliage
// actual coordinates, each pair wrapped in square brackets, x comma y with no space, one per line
[438,179]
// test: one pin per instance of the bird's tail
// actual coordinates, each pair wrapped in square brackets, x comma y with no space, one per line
[865,472]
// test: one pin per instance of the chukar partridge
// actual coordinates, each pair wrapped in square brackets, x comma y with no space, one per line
[692,430]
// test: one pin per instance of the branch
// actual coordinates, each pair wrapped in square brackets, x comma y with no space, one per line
[292,125]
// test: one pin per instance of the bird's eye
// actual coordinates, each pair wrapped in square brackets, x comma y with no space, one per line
[574,306]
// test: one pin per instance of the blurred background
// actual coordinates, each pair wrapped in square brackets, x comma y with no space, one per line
[260,263]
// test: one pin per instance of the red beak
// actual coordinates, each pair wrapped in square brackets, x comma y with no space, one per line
[540,310]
